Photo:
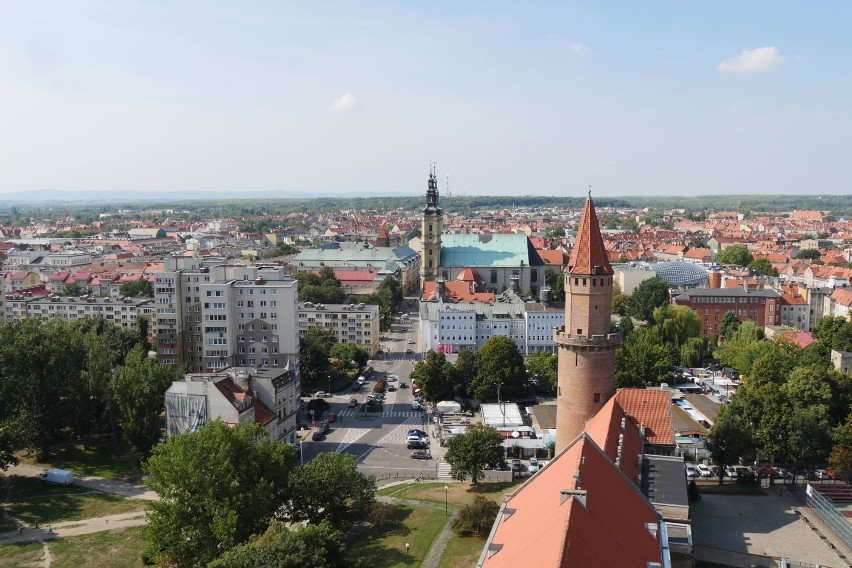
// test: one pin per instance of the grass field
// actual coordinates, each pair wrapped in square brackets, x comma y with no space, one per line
[457,494]
[33,501]
[112,461]
[462,551]
[386,546]
[120,548]
[23,554]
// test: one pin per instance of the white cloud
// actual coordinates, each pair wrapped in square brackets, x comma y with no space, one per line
[752,61]
[579,48]
[346,103]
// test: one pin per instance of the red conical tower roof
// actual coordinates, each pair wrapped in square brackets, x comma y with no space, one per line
[589,250]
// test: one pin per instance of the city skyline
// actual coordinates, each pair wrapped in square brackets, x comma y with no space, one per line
[331,98]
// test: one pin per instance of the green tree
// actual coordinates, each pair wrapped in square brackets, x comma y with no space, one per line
[812,254]
[840,458]
[642,359]
[763,267]
[314,352]
[480,446]
[730,324]
[734,254]
[477,517]
[142,325]
[308,546]
[728,439]
[139,391]
[543,367]
[434,376]
[322,288]
[648,296]
[465,370]
[217,487]
[677,324]
[556,281]
[346,352]
[285,249]
[7,451]
[330,488]
[692,352]
[137,289]
[618,304]
[554,231]
[498,363]
[73,289]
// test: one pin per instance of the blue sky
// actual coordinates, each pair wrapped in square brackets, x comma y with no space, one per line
[509,98]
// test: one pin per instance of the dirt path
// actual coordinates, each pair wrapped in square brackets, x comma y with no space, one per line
[437,549]
[75,528]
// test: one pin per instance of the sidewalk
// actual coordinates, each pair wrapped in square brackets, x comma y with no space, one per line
[75,528]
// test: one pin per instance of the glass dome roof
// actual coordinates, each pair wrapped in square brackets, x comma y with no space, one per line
[680,273]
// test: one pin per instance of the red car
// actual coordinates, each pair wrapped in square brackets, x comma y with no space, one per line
[332,417]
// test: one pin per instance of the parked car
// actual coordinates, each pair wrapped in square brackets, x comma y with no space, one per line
[533,464]
[403,385]
[782,473]
[420,455]
[417,439]
[704,470]
[820,474]
[417,445]
[410,341]
[332,417]
[353,402]
[356,387]
[409,350]
[323,427]
[731,472]
[516,465]
[391,388]
[321,394]
[392,378]
[317,436]
[692,471]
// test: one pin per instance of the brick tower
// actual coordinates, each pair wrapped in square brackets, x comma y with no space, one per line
[585,344]
[430,234]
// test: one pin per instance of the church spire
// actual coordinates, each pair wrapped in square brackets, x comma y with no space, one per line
[589,255]
[432,207]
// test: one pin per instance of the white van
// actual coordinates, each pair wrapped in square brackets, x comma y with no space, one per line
[57,477]
[415,405]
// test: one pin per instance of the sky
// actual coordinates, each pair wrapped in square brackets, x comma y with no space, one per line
[508,98]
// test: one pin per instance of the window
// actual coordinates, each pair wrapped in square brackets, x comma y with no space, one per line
[494,277]
[533,275]
[597,397]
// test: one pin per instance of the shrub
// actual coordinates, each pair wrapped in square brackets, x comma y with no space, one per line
[477,517]
[318,405]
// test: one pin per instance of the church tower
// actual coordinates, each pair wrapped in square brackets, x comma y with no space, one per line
[430,233]
[585,344]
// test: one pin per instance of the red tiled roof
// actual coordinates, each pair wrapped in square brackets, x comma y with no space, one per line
[606,527]
[843,297]
[589,250]
[556,257]
[606,430]
[468,275]
[651,408]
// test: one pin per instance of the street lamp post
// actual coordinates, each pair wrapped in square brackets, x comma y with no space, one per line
[407,546]
[446,500]
[329,384]
[301,453]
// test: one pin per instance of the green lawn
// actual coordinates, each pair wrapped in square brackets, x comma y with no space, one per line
[32,502]
[120,548]
[462,551]
[457,494]
[21,554]
[386,546]
[102,459]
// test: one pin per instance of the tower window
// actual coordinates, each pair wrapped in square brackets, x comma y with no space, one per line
[579,331]
[594,281]
[430,252]
[430,227]
[430,263]
[584,282]
[597,397]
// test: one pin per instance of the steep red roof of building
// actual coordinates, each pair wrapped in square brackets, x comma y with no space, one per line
[651,408]
[606,429]
[556,257]
[604,527]
[589,250]
[842,296]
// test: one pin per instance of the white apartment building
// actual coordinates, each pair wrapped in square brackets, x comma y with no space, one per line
[453,326]
[122,312]
[212,318]
[355,324]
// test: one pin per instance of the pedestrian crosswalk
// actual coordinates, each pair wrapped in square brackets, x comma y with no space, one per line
[387,414]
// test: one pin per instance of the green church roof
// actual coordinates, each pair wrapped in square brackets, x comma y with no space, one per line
[487,250]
